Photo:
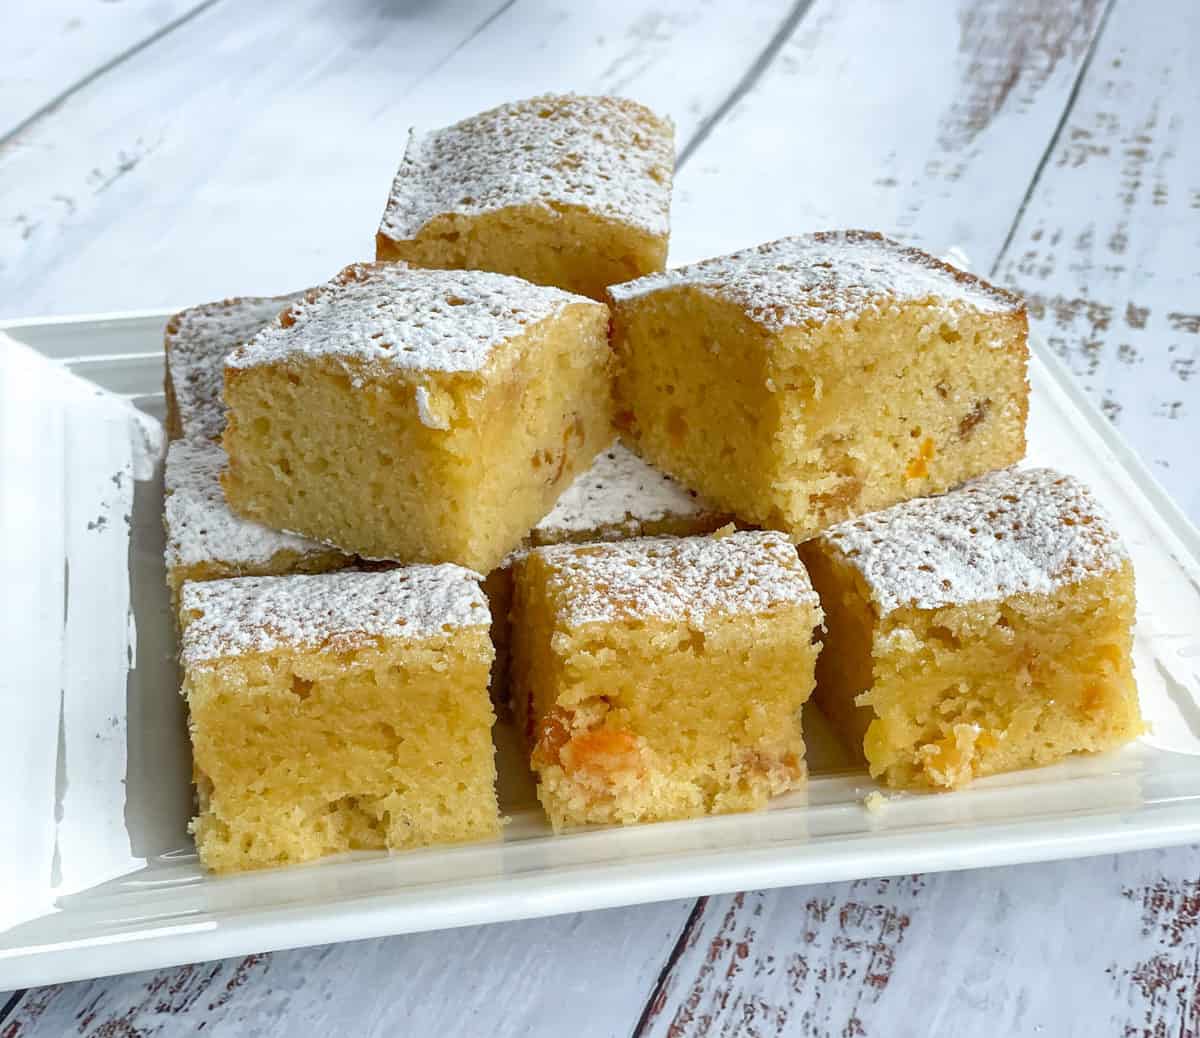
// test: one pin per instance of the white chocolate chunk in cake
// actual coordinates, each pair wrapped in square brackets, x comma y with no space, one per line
[196,342]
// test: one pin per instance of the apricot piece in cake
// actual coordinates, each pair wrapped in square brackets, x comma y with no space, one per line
[196,342]
[982,631]
[417,415]
[663,677]
[207,541]
[560,190]
[815,378]
[336,712]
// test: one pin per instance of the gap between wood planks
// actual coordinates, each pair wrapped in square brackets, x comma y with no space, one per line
[16,996]
[786,30]
[1052,143]
[80,84]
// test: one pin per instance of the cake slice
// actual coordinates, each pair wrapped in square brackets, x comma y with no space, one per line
[619,497]
[815,378]
[207,541]
[981,631]
[196,343]
[336,712]
[417,415]
[663,677]
[560,190]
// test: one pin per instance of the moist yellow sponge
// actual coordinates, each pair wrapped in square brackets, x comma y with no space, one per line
[982,631]
[663,677]
[815,378]
[336,712]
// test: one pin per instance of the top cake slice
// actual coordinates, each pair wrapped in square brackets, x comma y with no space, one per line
[417,415]
[819,377]
[197,341]
[561,190]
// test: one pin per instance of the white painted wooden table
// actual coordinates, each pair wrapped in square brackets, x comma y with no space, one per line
[162,153]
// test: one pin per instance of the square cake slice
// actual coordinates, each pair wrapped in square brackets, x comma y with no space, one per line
[196,343]
[418,415]
[560,190]
[982,631]
[619,497]
[816,378]
[663,677]
[207,541]
[336,712]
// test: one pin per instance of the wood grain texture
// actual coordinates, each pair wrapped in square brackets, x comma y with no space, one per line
[1107,249]
[221,162]
[587,974]
[1104,946]
[923,120]
[941,122]
[58,45]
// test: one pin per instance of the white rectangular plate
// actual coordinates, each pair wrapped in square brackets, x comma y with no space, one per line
[99,875]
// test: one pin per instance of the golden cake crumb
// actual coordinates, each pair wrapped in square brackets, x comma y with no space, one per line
[820,377]
[417,415]
[336,712]
[985,630]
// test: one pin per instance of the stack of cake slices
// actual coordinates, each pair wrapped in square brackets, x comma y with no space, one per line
[514,465]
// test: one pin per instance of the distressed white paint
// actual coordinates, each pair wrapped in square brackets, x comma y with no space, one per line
[272,174]
[579,975]
[1102,946]
[60,43]
[1107,249]
[919,119]
[1099,946]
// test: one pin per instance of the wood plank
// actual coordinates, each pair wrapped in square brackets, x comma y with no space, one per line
[1108,246]
[587,974]
[1101,946]
[926,121]
[219,162]
[51,48]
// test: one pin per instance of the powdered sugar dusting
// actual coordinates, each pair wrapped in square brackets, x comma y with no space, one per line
[330,611]
[196,341]
[388,317]
[806,280]
[1013,531]
[607,155]
[692,579]
[614,497]
[201,528]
